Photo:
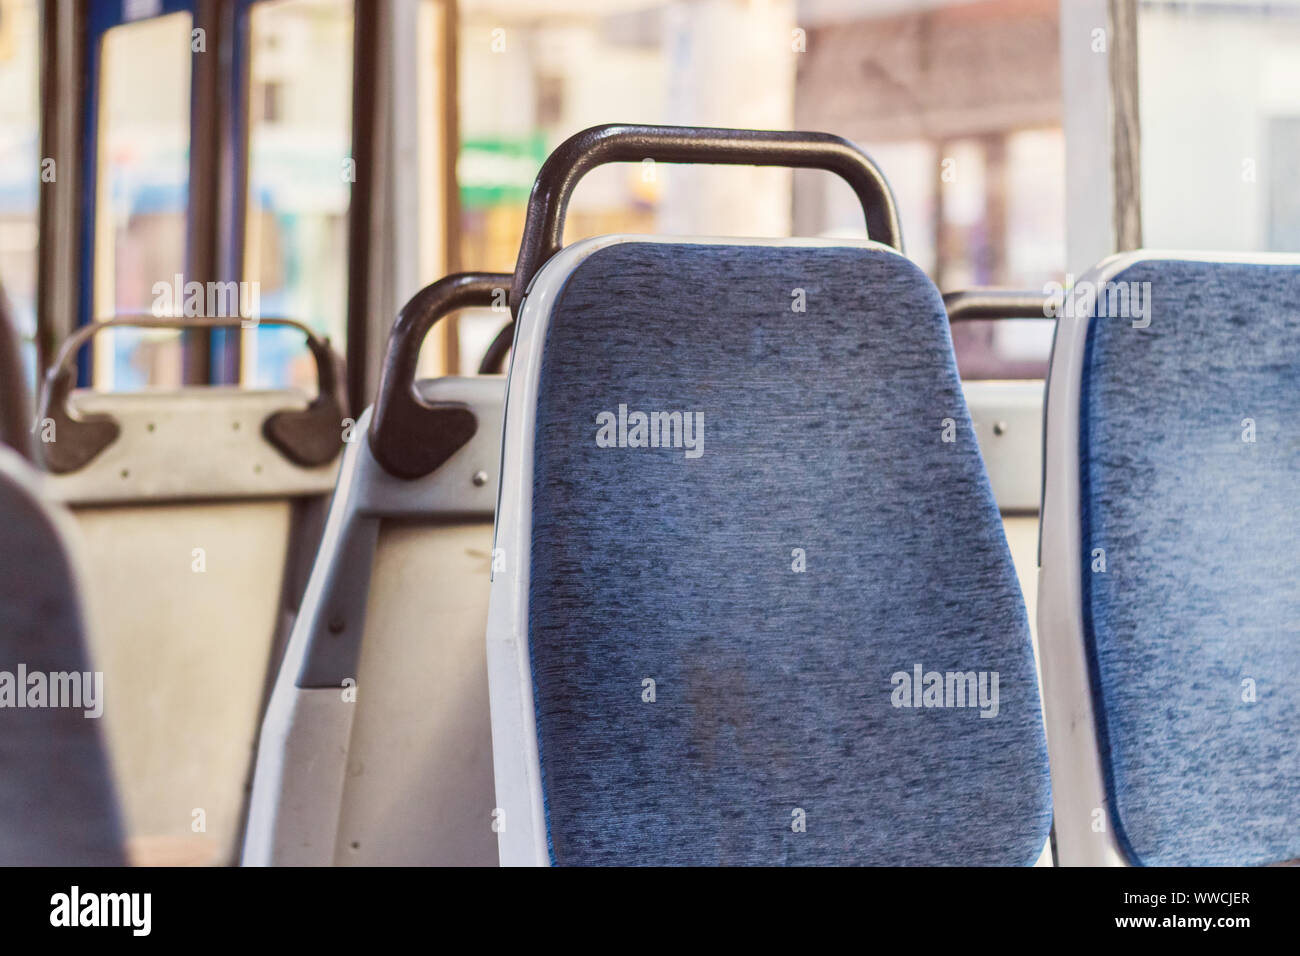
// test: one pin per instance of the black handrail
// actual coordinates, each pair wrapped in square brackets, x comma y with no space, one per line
[582,152]
[974,304]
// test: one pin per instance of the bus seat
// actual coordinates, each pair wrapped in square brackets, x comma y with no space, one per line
[1169,604]
[57,805]
[376,746]
[195,515]
[695,655]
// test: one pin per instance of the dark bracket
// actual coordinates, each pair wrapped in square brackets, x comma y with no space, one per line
[311,436]
[410,436]
[308,437]
[615,143]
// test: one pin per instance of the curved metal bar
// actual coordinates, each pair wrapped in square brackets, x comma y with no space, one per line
[615,143]
[308,437]
[972,304]
[409,435]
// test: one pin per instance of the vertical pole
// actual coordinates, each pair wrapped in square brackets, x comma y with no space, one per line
[367,123]
[63,93]
[236,64]
[201,243]
[449,138]
[1126,128]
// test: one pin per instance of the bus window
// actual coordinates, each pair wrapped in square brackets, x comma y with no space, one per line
[20,166]
[1218,88]
[142,194]
[957,101]
[961,105]
[299,180]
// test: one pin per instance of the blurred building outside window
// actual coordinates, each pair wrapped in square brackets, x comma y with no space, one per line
[142,194]
[299,182]
[956,101]
[959,101]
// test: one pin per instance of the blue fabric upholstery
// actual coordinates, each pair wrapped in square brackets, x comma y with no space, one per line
[1201,536]
[822,431]
[56,799]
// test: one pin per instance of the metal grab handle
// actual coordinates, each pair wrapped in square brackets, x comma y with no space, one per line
[973,304]
[615,143]
[409,435]
[307,437]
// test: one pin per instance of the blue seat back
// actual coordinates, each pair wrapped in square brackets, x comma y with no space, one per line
[723,639]
[1189,504]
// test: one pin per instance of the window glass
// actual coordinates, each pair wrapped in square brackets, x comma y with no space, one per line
[20,166]
[142,193]
[956,101]
[1035,242]
[299,182]
[1219,104]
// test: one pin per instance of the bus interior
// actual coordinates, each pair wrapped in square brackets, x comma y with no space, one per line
[649,432]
